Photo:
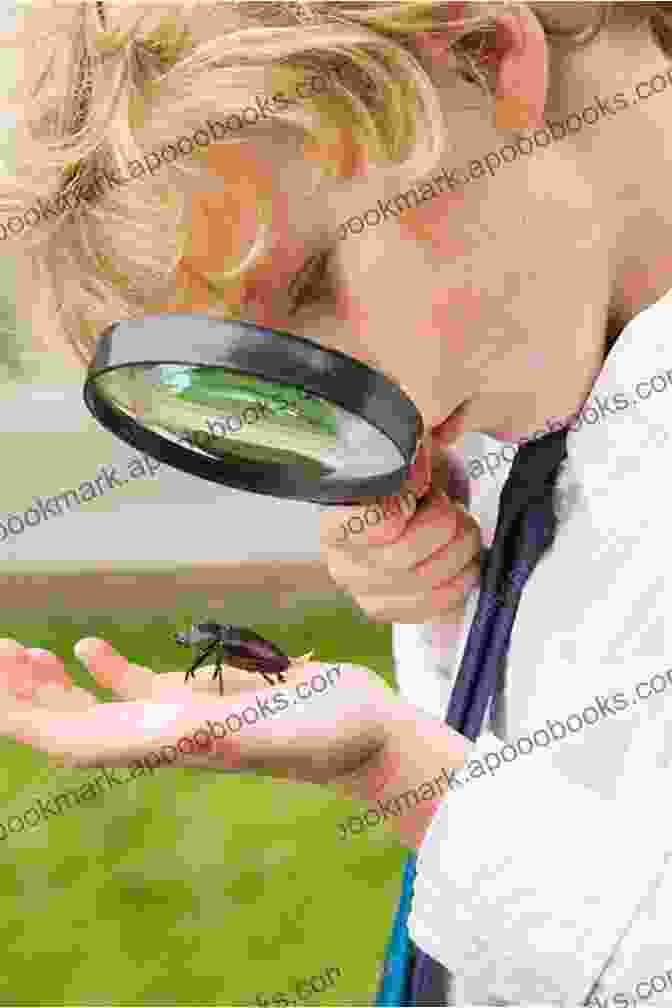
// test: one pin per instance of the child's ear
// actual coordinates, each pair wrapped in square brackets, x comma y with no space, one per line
[519,54]
[522,69]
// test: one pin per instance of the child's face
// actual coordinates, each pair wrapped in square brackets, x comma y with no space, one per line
[493,295]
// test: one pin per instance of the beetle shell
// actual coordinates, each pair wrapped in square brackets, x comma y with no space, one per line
[240,647]
[249,650]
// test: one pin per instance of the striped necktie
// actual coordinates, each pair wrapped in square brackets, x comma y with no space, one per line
[526,527]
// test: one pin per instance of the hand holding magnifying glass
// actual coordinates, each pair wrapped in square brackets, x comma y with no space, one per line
[413,558]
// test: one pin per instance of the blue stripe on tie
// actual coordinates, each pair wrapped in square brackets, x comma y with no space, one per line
[525,528]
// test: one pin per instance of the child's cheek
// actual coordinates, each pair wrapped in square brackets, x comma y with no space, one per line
[536,359]
[350,310]
[453,315]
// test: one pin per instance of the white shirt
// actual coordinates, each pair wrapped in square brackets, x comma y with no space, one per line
[531,876]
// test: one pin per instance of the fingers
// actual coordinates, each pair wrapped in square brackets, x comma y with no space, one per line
[48,668]
[24,669]
[40,708]
[38,677]
[451,557]
[425,573]
[15,668]
[439,542]
[433,526]
[109,668]
[380,520]
[372,523]
[445,603]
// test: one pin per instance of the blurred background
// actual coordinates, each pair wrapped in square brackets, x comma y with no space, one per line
[183,888]
[186,887]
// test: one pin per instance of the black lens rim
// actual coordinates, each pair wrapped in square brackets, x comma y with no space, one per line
[265,353]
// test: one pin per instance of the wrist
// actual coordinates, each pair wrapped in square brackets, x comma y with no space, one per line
[408,776]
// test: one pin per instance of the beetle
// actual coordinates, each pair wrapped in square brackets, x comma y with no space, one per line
[237,646]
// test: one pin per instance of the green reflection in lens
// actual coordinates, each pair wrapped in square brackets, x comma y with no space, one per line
[213,386]
[258,453]
[293,428]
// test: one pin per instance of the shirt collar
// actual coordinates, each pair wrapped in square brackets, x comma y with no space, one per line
[627,419]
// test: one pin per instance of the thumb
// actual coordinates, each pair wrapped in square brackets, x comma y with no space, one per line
[420,473]
[393,516]
[398,509]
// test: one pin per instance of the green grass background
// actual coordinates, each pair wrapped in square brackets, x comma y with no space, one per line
[188,887]
[191,887]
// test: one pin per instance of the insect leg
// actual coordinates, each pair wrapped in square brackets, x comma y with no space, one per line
[218,668]
[199,661]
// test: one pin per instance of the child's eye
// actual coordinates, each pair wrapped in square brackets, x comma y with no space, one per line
[310,284]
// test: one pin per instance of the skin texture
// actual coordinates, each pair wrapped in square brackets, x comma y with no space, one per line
[524,269]
[325,738]
[481,259]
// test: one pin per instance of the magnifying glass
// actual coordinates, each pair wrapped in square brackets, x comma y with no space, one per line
[253,408]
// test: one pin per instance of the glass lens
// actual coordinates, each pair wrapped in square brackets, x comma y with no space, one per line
[227,415]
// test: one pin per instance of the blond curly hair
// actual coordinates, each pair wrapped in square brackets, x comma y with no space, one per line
[103,84]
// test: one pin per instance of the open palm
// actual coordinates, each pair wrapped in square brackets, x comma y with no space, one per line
[320,735]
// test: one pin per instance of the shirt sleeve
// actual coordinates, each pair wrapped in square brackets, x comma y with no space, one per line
[427,658]
[526,880]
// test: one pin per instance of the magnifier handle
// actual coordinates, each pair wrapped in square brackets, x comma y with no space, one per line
[419,481]
[441,469]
